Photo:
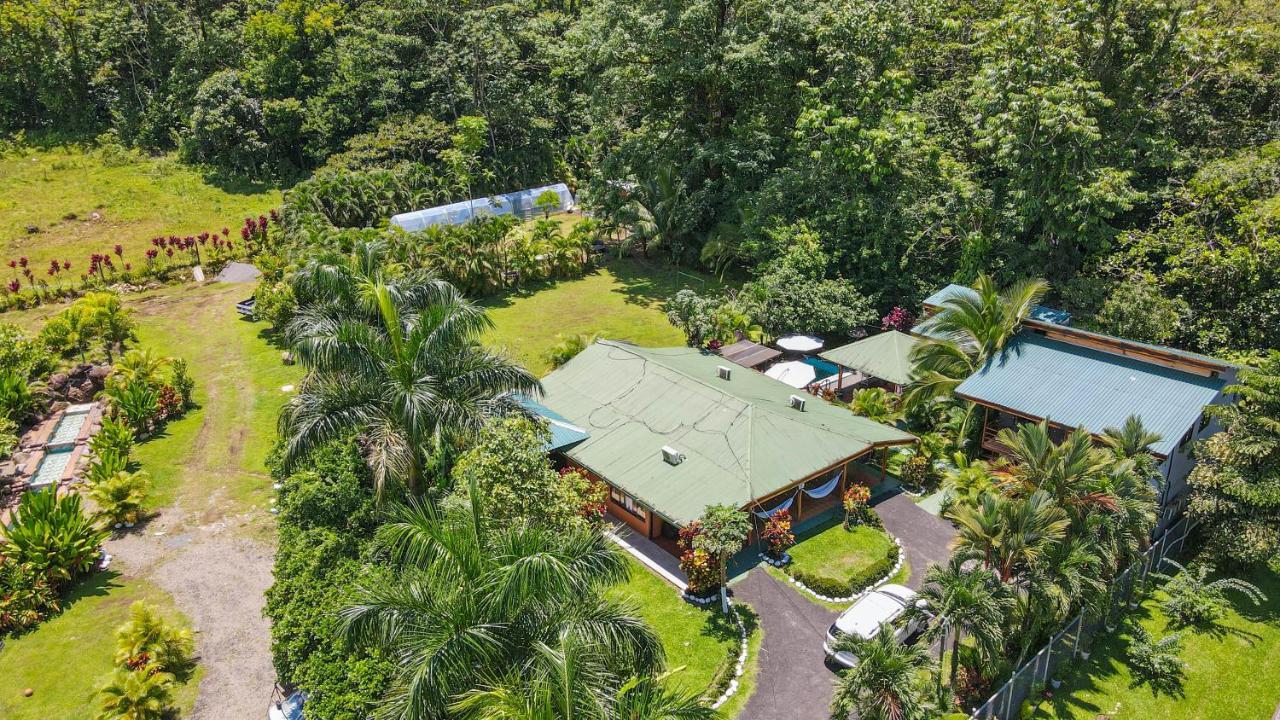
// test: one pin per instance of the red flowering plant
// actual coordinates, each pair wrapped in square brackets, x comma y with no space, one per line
[855,505]
[594,494]
[777,534]
[899,319]
[701,569]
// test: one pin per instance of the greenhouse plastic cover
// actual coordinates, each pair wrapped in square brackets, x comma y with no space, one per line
[518,203]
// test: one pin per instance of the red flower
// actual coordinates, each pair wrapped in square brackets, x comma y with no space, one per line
[169,252]
[119,250]
[22,261]
[226,231]
[13,263]
[66,264]
[14,285]
[128,267]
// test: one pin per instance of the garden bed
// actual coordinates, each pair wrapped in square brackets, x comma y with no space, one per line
[839,563]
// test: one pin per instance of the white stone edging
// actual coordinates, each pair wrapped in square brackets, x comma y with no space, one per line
[902,554]
[741,666]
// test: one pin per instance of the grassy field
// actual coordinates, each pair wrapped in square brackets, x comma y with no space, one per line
[68,658]
[620,301]
[698,641]
[1232,671]
[136,198]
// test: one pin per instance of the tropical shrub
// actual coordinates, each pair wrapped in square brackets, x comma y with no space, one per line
[1155,663]
[876,404]
[21,354]
[137,402]
[168,403]
[326,523]
[140,366]
[120,496]
[274,303]
[17,403]
[702,569]
[143,694]
[568,348]
[26,597]
[104,465]
[916,471]
[114,437]
[777,534]
[147,641]
[1195,601]
[182,382]
[510,467]
[856,501]
[50,535]
[8,437]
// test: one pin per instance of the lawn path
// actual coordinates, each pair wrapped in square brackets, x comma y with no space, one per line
[210,546]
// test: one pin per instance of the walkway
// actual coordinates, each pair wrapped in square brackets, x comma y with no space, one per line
[794,681]
[925,536]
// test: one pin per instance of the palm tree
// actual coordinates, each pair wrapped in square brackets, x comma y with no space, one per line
[883,684]
[136,695]
[1008,534]
[397,362]
[965,601]
[1064,470]
[964,334]
[484,612]
[1130,440]
[656,209]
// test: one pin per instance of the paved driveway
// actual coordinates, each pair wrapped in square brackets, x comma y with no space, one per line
[925,536]
[794,682]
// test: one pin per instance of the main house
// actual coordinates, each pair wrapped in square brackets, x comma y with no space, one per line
[673,430]
[1075,378]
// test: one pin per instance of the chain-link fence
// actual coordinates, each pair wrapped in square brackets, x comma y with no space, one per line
[1126,592]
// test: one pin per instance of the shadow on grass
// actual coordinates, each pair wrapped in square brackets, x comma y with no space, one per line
[99,583]
[643,282]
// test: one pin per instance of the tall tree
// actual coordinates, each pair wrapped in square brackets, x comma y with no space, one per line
[883,685]
[964,600]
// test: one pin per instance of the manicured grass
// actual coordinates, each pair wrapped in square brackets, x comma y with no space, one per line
[839,553]
[137,198]
[699,642]
[65,660]
[620,301]
[1233,671]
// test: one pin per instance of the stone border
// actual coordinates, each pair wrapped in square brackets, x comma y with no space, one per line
[902,554]
[743,648]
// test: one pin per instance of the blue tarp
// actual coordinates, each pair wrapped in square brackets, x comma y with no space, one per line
[520,202]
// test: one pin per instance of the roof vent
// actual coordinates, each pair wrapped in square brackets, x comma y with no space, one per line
[797,402]
[723,372]
[671,455]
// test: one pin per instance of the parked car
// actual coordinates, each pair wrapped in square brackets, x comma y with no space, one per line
[885,605]
[286,706]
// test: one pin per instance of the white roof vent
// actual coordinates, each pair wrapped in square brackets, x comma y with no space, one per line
[797,402]
[672,456]
[723,372]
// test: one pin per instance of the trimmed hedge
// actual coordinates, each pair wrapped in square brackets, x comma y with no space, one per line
[846,587]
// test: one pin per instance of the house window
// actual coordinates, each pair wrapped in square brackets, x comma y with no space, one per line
[626,502]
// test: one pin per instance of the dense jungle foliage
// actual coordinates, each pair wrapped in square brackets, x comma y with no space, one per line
[1124,149]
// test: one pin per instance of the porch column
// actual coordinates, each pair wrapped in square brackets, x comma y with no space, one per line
[884,464]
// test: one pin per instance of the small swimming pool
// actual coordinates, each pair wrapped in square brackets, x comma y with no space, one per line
[822,368]
[68,428]
[51,468]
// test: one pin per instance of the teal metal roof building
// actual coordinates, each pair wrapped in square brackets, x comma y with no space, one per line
[563,433]
[1082,387]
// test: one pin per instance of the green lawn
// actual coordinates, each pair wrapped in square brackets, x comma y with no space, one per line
[699,642]
[620,301]
[65,660]
[1232,671]
[137,198]
[215,456]
[838,553]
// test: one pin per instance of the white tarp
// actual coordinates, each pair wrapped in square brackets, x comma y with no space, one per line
[794,373]
[520,202]
[799,343]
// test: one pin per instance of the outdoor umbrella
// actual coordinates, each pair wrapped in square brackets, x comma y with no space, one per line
[793,373]
[799,343]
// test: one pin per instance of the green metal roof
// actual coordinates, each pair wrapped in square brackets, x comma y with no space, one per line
[1081,387]
[740,438]
[886,356]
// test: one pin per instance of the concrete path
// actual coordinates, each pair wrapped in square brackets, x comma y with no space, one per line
[794,681]
[925,536]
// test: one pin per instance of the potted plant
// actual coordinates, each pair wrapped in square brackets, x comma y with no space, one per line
[778,537]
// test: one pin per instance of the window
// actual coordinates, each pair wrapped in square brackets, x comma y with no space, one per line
[626,502]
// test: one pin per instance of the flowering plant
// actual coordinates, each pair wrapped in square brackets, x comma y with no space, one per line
[777,534]
[855,504]
[899,319]
[702,571]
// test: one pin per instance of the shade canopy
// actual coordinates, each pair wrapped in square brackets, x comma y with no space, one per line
[799,343]
[749,354]
[794,373]
[520,203]
[886,356]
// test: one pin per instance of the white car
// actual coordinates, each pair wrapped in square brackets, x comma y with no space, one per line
[882,606]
